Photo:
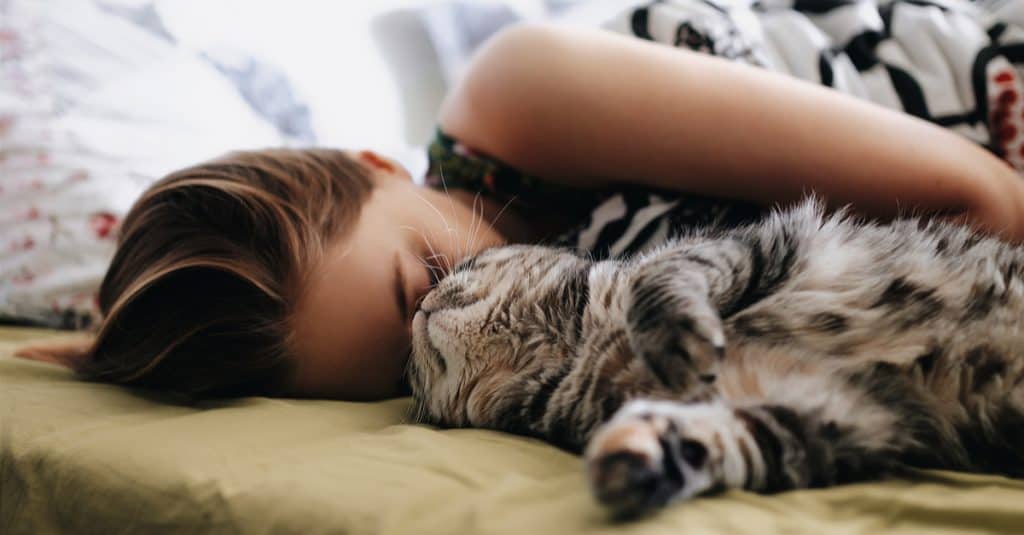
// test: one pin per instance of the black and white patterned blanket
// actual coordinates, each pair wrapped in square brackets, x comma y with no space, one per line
[957,63]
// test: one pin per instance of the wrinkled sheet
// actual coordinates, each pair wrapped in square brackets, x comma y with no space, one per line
[77,457]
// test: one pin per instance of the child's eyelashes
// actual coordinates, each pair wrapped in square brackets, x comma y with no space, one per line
[433,275]
[434,271]
[433,278]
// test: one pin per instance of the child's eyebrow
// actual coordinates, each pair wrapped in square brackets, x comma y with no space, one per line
[399,284]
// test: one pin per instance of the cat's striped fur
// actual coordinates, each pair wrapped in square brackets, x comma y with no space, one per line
[806,350]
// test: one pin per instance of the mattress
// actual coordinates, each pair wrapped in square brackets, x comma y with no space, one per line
[77,457]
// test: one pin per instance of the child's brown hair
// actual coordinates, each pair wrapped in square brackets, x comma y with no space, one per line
[209,262]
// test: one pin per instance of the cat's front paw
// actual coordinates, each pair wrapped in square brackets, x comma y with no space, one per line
[655,452]
[681,338]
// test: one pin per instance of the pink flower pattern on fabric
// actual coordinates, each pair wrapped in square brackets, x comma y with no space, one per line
[1006,112]
[103,225]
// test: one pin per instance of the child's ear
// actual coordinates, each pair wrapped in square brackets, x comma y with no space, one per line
[383,165]
[376,161]
[66,352]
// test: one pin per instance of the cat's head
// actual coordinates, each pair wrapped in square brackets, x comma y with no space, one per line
[489,328]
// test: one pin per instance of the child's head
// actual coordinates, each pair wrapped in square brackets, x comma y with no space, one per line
[272,272]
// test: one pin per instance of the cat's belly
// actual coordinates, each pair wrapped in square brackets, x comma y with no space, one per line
[749,372]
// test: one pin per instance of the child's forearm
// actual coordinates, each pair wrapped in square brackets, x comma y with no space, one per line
[591,108]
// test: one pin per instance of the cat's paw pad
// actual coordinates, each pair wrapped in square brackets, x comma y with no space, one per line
[644,459]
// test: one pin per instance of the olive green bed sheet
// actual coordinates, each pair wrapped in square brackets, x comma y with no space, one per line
[77,457]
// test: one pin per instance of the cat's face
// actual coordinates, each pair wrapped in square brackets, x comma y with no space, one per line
[488,327]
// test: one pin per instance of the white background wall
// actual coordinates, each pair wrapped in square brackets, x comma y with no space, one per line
[328,50]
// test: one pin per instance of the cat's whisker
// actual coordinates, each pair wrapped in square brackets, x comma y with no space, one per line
[448,227]
[491,224]
[502,211]
[451,203]
[438,272]
[474,230]
[430,246]
[426,263]
[439,255]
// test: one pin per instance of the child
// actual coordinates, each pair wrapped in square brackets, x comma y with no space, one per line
[297,272]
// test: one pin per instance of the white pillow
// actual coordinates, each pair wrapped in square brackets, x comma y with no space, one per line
[92,110]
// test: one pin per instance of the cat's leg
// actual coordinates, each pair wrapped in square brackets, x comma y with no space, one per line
[678,295]
[655,452]
[807,432]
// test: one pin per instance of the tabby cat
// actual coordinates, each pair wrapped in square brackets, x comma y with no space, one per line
[803,351]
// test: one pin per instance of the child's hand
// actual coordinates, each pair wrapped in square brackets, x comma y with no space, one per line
[67,352]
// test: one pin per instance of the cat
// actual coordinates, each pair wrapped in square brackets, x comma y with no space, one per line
[806,350]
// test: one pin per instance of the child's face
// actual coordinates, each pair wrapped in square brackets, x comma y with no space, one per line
[352,325]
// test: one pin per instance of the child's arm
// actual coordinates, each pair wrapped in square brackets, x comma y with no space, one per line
[591,108]
[67,352]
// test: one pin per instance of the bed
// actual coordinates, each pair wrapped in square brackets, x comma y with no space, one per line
[78,457]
